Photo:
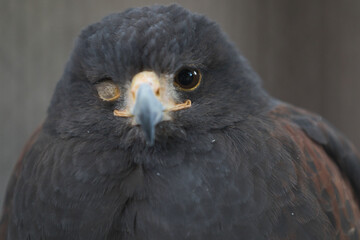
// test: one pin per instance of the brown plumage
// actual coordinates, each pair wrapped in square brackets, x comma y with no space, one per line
[322,153]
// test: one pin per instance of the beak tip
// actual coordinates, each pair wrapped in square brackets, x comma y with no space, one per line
[150,136]
[150,142]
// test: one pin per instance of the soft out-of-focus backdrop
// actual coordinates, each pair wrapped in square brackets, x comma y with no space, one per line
[307,53]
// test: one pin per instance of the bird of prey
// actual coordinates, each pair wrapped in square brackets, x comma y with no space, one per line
[159,129]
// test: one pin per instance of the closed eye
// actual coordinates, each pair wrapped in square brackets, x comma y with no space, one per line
[107,90]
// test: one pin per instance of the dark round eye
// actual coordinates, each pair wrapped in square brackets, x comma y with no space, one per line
[187,79]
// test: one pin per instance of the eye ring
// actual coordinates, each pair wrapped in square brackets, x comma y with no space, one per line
[187,79]
[107,90]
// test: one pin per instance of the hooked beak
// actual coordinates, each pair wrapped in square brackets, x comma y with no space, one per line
[149,100]
[148,111]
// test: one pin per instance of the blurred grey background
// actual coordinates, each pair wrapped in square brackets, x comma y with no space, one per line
[307,53]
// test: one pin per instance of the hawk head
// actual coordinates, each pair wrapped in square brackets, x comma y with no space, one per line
[150,75]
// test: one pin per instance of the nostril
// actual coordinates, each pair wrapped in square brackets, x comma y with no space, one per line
[157,92]
[133,94]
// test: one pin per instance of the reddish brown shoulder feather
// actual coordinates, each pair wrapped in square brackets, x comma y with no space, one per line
[325,156]
[12,183]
